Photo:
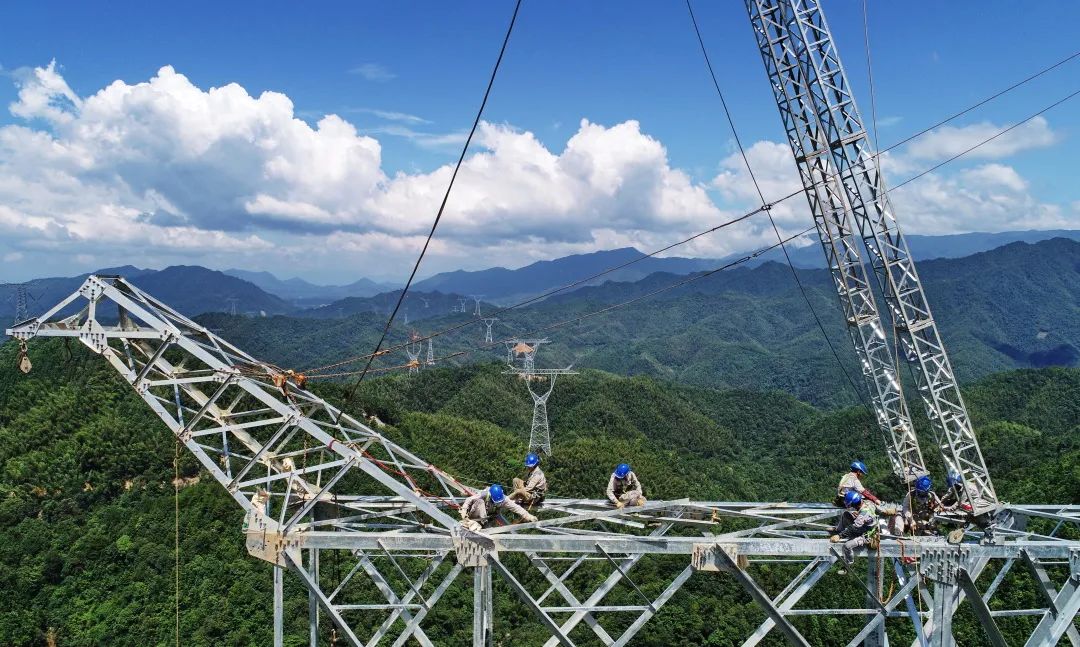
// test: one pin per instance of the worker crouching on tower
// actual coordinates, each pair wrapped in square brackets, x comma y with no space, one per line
[624,488]
[860,531]
[918,510]
[484,507]
[531,491]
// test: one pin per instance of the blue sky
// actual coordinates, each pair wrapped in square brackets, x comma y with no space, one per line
[409,76]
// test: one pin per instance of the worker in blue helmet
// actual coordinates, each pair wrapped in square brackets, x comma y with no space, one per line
[852,482]
[531,490]
[624,488]
[918,510]
[488,505]
[956,499]
[859,529]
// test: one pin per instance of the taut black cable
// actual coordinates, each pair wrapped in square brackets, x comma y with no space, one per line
[767,208]
[442,206]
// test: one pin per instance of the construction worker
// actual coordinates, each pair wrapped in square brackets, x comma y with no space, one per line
[917,511]
[859,532]
[531,491]
[624,488]
[483,507]
[852,482]
[954,499]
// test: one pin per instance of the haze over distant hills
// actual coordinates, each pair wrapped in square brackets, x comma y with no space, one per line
[928,247]
[1016,306]
[190,289]
[302,293]
[194,290]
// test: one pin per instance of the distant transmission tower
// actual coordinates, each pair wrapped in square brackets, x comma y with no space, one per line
[489,322]
[476,298]
[413,350]
[521,354]
[522,360]
[461,305]
[424,299]
[232,304]
[21,311]
[430,353]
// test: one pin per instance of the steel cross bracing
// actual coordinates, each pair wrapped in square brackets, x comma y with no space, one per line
[799,51]
[809,138]
[368,528]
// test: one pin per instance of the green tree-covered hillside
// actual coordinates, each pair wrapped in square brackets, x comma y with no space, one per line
[86,491]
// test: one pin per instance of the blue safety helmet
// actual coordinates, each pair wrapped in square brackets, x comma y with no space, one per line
[531,460]
[953,479]
[858,466]
[923,484]
[622,470]
[852,499]
[496,493]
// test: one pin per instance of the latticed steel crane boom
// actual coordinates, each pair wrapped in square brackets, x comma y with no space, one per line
[845,189]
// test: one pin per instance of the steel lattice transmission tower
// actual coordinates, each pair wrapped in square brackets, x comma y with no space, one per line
[845,190]
[488,323]
[430,353]
[232,301]
[521,358]
[22,312]
[317,484]
[476,298]
[461,305]
[413,349]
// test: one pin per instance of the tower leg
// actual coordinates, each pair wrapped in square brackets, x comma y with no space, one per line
[944,599]
[874,573]
[483,622]
[279,606]
[313,601]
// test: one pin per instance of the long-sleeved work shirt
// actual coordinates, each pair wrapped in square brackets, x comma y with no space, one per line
[920,508]
[848,482]
[536,484]
[476,507]
[617,487]
[865,521]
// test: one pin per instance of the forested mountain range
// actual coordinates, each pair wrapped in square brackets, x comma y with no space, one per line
[1013,307]
[195,290]
[86,493]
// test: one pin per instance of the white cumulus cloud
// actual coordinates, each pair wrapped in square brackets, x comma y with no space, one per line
[165,171]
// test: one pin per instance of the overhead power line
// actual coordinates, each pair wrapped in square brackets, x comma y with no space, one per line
[768,212]
[318,371]
[446,197]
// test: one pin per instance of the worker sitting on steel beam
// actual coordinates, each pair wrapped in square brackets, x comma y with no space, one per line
[531,491]
[624,488]
[476,513]
[917,512]
[852,482]
[862,531]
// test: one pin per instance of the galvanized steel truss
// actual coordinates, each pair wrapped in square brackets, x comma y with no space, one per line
[841,177]
[318,484]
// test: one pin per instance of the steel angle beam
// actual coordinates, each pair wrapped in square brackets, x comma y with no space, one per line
[730,565]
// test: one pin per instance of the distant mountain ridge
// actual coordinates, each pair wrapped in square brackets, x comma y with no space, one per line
[195,290]
[303,293]
[1017,306]
[924,248]
[190,289]
[499,284]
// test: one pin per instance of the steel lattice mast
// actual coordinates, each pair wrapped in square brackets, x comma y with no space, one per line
[809,135]
[835,157]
